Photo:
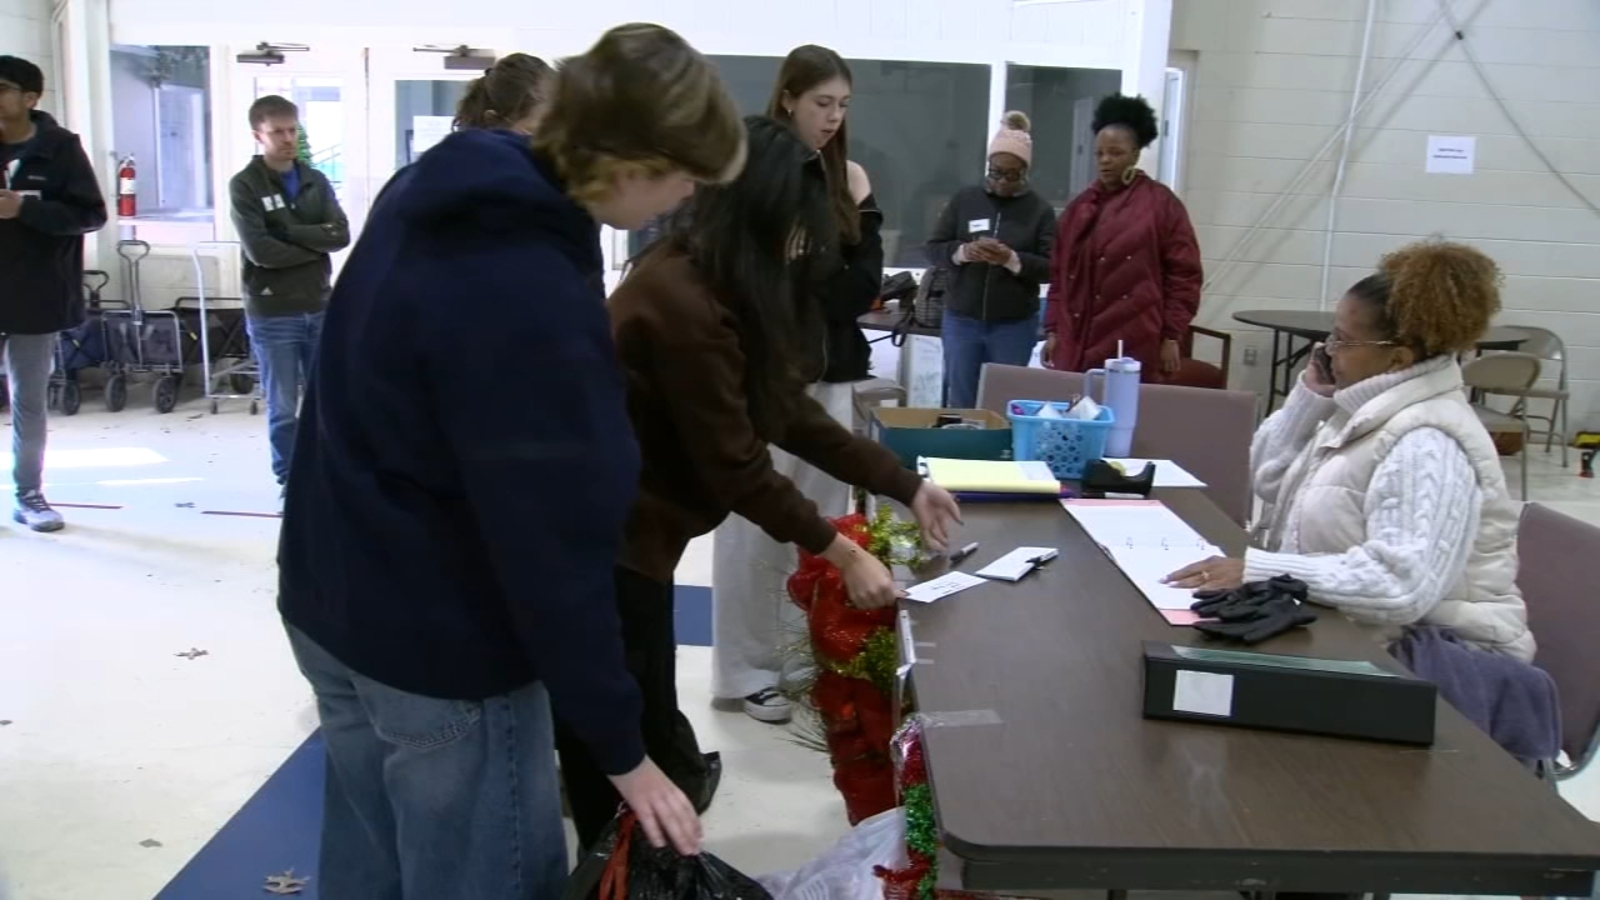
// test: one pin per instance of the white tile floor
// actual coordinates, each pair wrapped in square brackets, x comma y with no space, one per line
[114,740]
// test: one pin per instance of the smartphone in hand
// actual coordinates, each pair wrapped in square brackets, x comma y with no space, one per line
[1324,362]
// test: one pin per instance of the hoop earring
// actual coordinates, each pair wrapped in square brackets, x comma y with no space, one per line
[1129,174]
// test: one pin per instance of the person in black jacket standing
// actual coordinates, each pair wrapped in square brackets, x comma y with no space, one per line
[752,619]
[289,222]
[49,199]
[996,240]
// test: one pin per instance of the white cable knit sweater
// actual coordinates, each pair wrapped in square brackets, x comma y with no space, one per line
[1374,500]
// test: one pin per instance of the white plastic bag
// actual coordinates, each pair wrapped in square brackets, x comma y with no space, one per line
[846,871]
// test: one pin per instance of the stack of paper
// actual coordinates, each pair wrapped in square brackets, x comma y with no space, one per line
[1018,564]
[1148,542]
[990,477]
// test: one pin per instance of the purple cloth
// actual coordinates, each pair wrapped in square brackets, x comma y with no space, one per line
[1514,703]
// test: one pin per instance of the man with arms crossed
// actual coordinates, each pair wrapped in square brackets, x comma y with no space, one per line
[289,222]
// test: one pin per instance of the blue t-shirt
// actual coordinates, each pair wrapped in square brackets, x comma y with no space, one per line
[291,183]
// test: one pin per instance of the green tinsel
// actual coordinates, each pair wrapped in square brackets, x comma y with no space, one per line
[894,542]
[877,661]
[922,833]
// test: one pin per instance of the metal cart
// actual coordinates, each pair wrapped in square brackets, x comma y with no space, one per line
[235,378]
[141,341]
[83,347]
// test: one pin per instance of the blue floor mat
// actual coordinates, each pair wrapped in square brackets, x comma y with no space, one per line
[278,829]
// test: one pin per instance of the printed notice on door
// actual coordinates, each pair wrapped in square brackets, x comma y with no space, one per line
[1451,155]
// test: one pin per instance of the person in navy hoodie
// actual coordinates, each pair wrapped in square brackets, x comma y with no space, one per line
[461,480]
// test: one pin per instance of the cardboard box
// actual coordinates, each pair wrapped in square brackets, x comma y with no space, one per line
[910,434]
[1344,698]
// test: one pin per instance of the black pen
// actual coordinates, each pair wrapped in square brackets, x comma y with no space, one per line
[963,553]
[1038,562]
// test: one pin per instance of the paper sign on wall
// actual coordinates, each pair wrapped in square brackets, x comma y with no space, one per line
[427,131]
[1451,155]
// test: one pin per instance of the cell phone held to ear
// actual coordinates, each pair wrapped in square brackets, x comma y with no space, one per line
[1323,362]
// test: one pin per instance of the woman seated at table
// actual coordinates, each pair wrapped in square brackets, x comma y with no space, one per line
[704,330]
[1382,490]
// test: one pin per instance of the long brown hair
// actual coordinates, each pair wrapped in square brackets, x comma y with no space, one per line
[804,69]
[506,94]
[640,100]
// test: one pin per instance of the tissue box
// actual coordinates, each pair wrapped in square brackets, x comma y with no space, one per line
[1340,697]
[910,433]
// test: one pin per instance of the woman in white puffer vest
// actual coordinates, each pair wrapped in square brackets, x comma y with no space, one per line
[1382,491]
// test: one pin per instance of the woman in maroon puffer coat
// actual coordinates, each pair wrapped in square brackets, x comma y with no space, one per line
[1126,266]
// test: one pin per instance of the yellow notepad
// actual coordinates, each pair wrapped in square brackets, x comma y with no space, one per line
[991,477]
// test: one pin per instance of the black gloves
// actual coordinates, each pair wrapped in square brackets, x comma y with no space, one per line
[1254,612]
[1212,604]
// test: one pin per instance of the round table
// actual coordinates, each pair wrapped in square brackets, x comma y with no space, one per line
[1290,326]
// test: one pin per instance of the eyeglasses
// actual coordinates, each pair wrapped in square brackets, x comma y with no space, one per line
[1333,346]
[1016,176]
[8,86]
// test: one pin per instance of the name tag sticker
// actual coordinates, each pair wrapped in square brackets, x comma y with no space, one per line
[977,225]
[272,203]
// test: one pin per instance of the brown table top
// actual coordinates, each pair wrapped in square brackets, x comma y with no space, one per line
[1316,326]
[1075,789]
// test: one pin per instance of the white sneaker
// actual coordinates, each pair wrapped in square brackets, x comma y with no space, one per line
[34,512]
[769,706]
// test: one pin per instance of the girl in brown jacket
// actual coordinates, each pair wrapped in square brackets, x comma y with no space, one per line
[702,326]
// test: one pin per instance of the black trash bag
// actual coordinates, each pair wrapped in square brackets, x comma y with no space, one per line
[623,866]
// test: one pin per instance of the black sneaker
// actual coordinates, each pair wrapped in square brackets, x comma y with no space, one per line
[770,706]
[34,512]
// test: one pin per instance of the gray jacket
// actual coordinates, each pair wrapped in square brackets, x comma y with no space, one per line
[287,269]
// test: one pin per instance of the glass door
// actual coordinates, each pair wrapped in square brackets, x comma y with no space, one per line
[413,99]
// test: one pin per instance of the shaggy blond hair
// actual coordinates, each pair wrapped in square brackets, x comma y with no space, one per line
[640,101]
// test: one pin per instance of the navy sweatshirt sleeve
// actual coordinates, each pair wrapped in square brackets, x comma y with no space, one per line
[550,473]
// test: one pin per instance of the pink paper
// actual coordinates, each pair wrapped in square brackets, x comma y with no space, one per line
[1180,617]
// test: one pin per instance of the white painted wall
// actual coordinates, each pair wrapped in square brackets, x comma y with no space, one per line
[25,32]
[1273,83]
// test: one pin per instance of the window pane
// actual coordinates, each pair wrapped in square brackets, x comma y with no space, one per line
[321,102]
[423,113]
[1061,104]
[161,122]
[918,128]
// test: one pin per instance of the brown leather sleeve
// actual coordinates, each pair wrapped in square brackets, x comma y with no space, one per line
[700,371]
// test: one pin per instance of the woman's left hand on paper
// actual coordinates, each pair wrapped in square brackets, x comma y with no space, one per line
[1219,573]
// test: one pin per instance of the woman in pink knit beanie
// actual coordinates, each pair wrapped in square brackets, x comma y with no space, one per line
[994,239]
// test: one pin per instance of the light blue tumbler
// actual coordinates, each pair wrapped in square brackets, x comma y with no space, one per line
[1120,391]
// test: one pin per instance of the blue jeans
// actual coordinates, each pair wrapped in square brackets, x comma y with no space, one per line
[285,348]
[969,343]
[435,799]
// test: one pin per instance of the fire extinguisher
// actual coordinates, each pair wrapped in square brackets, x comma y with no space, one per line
[127,199]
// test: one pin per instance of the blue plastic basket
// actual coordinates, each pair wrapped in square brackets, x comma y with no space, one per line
[1066,444]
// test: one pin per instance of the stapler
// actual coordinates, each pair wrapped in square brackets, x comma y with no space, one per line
[1105,480]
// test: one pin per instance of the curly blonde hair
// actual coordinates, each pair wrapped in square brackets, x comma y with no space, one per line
[641,100]
[1435,296]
